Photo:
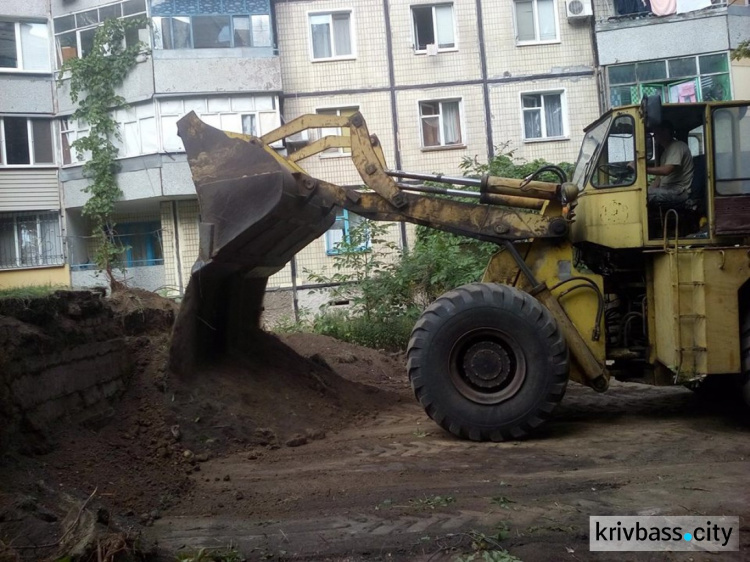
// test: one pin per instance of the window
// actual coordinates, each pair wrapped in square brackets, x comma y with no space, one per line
[679,80]
[536,21]
[137,127]
[142,243]
[348,233]
[612,168]
[543,116]
[24,46]
[331,35]
[26,142]
[433,25]
[212,32]
[74,33]
[732,150]
[441,123]
[30,240]
[336,131]
[249,115]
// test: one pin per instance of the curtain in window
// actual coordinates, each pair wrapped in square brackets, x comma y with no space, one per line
[321,37]
[181,33]
[444,17]
[553,115]
[34,43]
[430,123]
[525,20]
[51,243]
[342,34]
[546,11]
[451,123]
[261,31]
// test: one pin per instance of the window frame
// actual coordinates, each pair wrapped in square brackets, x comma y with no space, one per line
[562,92]
[158,38]
[670,80]
[343,214]
[336,152]
[55,260]
[19,68]
[31,144]
[59,59]
[417,50]
[536,40]
[461,124]
[352,35]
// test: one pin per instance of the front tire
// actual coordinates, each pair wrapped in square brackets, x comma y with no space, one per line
[488,362]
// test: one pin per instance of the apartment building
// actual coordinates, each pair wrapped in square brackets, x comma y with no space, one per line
[31,210]
[438,82]
[679,50]
[213,57]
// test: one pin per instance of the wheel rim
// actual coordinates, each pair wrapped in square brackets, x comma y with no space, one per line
[487,366]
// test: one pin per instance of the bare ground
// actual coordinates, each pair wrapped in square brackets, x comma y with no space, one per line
[394,486]
[318,451]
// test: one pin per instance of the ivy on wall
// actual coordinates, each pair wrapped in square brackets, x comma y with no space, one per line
[93,81]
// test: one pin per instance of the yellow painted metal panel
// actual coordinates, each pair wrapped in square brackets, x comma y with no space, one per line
[610,217]
[54,276]
[695,320]
[552,262]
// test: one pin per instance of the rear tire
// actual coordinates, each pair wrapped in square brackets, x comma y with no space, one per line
[488,362]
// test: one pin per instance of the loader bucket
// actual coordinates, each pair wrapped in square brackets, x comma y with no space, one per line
[255,214]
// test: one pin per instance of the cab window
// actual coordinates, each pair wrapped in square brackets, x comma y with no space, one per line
[732,150]
[613,166]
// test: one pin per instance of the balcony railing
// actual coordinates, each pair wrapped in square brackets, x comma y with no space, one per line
[617,10]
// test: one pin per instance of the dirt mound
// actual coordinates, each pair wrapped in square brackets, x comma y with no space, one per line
[142,457]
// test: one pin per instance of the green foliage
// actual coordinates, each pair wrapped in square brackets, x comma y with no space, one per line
[93,81]
[431,502]
[30,292]
[486,548]
[387,287]
[742,51]
[506,165]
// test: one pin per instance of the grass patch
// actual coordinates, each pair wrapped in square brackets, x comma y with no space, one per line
[31,291]
[431,502]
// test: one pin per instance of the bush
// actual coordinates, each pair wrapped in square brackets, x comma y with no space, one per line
[389,287]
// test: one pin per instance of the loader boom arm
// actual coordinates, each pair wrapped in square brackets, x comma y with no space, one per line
[258,208]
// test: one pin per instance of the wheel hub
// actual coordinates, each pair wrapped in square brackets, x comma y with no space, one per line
[486,364]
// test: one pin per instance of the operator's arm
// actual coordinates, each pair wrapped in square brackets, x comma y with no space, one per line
[664,170]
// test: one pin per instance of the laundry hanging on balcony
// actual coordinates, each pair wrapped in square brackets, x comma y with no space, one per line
[663,7]
[691,5]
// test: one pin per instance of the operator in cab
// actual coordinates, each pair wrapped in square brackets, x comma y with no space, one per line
[671,187]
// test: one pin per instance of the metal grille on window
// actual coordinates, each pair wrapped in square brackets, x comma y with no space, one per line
[30,240]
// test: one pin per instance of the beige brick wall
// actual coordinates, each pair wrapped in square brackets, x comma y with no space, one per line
[442,160]
[506,59]
[376,109]
[463,63]
[369,68]
[580,97]
[167,237]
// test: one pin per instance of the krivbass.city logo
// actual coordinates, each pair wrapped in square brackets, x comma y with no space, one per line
[660,533]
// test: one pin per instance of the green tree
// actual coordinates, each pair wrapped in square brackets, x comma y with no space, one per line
[93,81]
[742,51]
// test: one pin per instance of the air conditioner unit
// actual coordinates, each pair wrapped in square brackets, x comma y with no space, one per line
[578,9]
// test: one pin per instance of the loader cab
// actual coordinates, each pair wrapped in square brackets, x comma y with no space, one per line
[612,173]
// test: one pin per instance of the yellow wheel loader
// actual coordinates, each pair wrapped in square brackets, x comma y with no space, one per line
[590,281]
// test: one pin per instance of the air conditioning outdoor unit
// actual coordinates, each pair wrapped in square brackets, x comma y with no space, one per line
[578,9]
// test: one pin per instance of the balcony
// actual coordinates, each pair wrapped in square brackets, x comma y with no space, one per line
[643,36]
[616,12]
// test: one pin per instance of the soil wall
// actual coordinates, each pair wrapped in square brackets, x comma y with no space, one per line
[61,357]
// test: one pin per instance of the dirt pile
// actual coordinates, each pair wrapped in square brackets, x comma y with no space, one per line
[145,456]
